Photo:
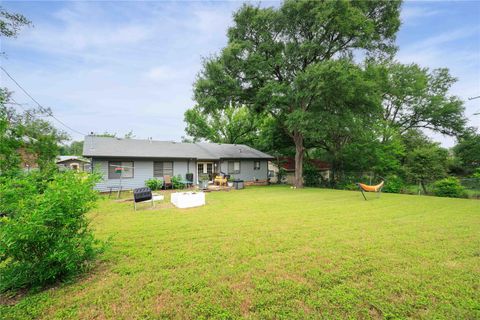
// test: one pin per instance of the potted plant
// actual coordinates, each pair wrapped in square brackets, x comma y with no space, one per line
[230,181]
[203,180]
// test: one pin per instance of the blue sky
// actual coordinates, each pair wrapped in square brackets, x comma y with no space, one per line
[121,66]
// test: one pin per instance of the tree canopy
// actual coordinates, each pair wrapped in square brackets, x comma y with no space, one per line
[415,97]
[26,133]
[228,125]
[273,54]
[11,23]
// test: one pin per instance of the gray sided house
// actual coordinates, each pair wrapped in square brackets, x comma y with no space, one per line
[145,159]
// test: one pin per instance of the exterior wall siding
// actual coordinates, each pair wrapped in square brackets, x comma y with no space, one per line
[143,170]
[247,173]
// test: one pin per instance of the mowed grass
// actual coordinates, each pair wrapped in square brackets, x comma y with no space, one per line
[275,252]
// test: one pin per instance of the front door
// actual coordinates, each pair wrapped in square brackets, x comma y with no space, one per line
[205,168]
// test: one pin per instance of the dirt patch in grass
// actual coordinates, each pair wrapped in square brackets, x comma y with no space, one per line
[12,298]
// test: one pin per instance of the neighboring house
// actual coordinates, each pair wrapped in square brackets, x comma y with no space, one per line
[141,160]
[73,162]
[28,159]
[288,164]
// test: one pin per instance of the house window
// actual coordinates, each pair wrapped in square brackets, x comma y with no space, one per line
[163,168]
[117,169]
[256,165]
[233,167]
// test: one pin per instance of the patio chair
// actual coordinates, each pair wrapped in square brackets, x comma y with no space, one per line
[167,182]
[219,180]
[189,179]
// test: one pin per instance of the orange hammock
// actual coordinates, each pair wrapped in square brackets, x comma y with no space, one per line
[364,187]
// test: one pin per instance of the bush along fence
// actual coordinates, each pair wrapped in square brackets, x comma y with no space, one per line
[446,187]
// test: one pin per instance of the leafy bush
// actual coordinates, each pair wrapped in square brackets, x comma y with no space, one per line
[349,181]
[281,175]
[154,183]
[311,175]
[393,184]
[45,236]
[176,182]
[203,177]
[476,174]
[349,186]
[449,187]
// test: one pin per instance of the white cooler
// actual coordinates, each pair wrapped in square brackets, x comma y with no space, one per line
[187,199]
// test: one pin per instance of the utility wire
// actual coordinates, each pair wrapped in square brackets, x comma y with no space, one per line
[27,111]
[42,108]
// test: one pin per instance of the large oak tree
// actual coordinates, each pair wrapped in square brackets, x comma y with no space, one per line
[272,51]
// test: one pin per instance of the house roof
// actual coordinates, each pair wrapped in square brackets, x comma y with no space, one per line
[135,148]
[66,158]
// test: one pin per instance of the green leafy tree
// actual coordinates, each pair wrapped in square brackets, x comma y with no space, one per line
[26,132]
[468,150]
[228,125]
[11,23]
[426,163]
[342,120]
[271,54]
[417,98]
[10,137]
[75,148]
[42,139]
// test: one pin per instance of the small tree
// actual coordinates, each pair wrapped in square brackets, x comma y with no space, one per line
[426,164]
[468,150]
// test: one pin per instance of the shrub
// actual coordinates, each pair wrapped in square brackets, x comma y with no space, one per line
[449,187]
[46,236]
[393,184]
[350,186]
[154,183]
[476,174]
[311,175]
[281,174]
[349,181]
[176,182]
[203,177]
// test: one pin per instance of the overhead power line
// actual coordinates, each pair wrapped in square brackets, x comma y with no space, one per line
[42,108]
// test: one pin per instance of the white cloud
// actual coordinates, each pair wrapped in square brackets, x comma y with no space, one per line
[412,14]
[161,73]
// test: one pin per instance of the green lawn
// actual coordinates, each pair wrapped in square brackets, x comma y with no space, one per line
[276,252]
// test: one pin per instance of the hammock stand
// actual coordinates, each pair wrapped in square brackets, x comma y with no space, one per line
[366,188]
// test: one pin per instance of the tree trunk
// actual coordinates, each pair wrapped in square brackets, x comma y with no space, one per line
[423,187]
[299,153]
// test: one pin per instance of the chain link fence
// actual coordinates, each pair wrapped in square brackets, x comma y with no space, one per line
[472,186]
[347,181]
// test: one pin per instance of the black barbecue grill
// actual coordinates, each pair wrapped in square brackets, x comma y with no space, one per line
[141,195]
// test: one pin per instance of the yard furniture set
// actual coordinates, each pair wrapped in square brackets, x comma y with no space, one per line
[178,199]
